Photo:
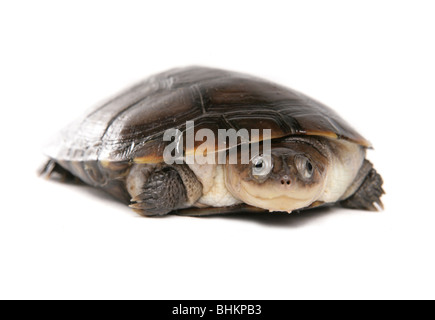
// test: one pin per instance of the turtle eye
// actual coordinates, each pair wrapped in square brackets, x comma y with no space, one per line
[304,166]
[261,165]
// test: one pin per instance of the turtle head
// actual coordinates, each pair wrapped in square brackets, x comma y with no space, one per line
[290,178]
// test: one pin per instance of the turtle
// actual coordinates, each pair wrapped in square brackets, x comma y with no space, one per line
[315,158]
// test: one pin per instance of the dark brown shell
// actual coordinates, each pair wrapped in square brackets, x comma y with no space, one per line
[130,126]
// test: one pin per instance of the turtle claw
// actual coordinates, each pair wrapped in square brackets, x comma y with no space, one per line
[146,210]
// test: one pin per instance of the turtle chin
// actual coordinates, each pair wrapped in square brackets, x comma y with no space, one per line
[285,203]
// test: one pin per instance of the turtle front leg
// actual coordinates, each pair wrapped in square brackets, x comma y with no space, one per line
[366,191]
[158,190]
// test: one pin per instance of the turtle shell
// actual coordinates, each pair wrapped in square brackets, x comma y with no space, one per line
[130,126]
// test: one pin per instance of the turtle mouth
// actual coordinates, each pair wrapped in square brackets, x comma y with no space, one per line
[275,202]
[271,196]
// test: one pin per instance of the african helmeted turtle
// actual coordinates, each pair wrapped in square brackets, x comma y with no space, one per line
[316,158]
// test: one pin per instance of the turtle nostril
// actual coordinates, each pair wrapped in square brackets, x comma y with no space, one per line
[285,181]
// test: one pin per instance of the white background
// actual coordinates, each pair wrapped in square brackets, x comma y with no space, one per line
[372,61]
